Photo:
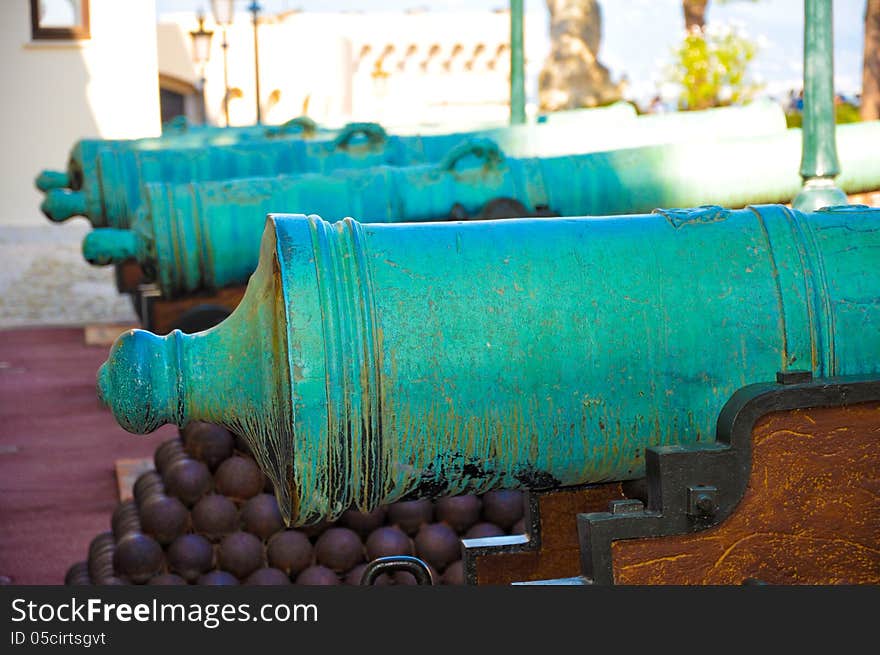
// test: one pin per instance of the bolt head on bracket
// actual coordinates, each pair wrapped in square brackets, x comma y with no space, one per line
[702,501]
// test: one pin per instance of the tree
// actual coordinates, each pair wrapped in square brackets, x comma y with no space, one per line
[573,76]
[711,68]
[871,71]
[694,13]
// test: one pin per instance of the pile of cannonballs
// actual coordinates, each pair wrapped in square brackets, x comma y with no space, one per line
[207,515]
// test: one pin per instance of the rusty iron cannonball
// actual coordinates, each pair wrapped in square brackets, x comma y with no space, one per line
[100,542]
[167,579]
[215,516]
[77,575]
[164,518]
[405,578]
[459,512]
[437,544]
[261,516]
[315,530]
[147,484]
[188,479]
[101,572]
[291,551]
[410,515]
[125,519]
[207,442]
[169,452]
[339,549]
[239,478]
[190,555]
[483,530]
[317,575]
[363,522]
[114,581]
[354,576]
[100,557]
[503,507]
[266,577]
[240,554]
[138,557]
[241,445]
[454,574]
[217,579]
[388,540]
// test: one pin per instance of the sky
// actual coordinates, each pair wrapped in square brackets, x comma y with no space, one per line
[638,35]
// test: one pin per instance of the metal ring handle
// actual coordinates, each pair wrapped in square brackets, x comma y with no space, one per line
[299,125]
[375,133]
[485,149]
[413,565]
[177,125]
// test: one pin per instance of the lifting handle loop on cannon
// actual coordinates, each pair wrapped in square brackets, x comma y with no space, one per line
[300,125]
[413,565]
[176,125]
[375,134]
[484,149]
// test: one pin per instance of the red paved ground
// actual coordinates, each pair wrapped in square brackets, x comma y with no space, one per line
[58,447]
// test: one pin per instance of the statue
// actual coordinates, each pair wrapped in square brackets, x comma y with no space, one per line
[572,76]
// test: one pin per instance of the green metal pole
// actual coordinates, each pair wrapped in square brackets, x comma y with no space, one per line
[254,8]
[517,64]
[819,163]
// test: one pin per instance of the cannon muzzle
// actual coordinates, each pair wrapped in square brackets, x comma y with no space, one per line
[48,180]
[61,204]
[139,380]
[108,245]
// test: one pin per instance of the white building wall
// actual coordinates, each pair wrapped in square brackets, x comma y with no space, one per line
[402,69]
[58,92]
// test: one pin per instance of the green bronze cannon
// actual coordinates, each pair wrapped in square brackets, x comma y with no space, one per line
[113,195]
[180,133]
[206,235]
[369,363]
[82,163]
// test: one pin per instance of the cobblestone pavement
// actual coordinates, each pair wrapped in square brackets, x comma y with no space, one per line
[45,281]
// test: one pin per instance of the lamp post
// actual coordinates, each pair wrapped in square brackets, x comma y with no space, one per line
[254,8]
[224,13]
[819,163]
[517,64]
[201,40]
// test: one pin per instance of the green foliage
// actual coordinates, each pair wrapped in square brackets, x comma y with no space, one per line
[711,68]
[844,112]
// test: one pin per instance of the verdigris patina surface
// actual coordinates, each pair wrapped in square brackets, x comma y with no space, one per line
[370,363]
[206,235]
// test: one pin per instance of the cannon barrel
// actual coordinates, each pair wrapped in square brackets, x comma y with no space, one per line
[82,177]
[47,180]
[206,235]
[369,363]
[116,191]
[176,134]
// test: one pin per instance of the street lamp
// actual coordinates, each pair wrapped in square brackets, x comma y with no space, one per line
[201,40]
[254,8]
[224,13]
